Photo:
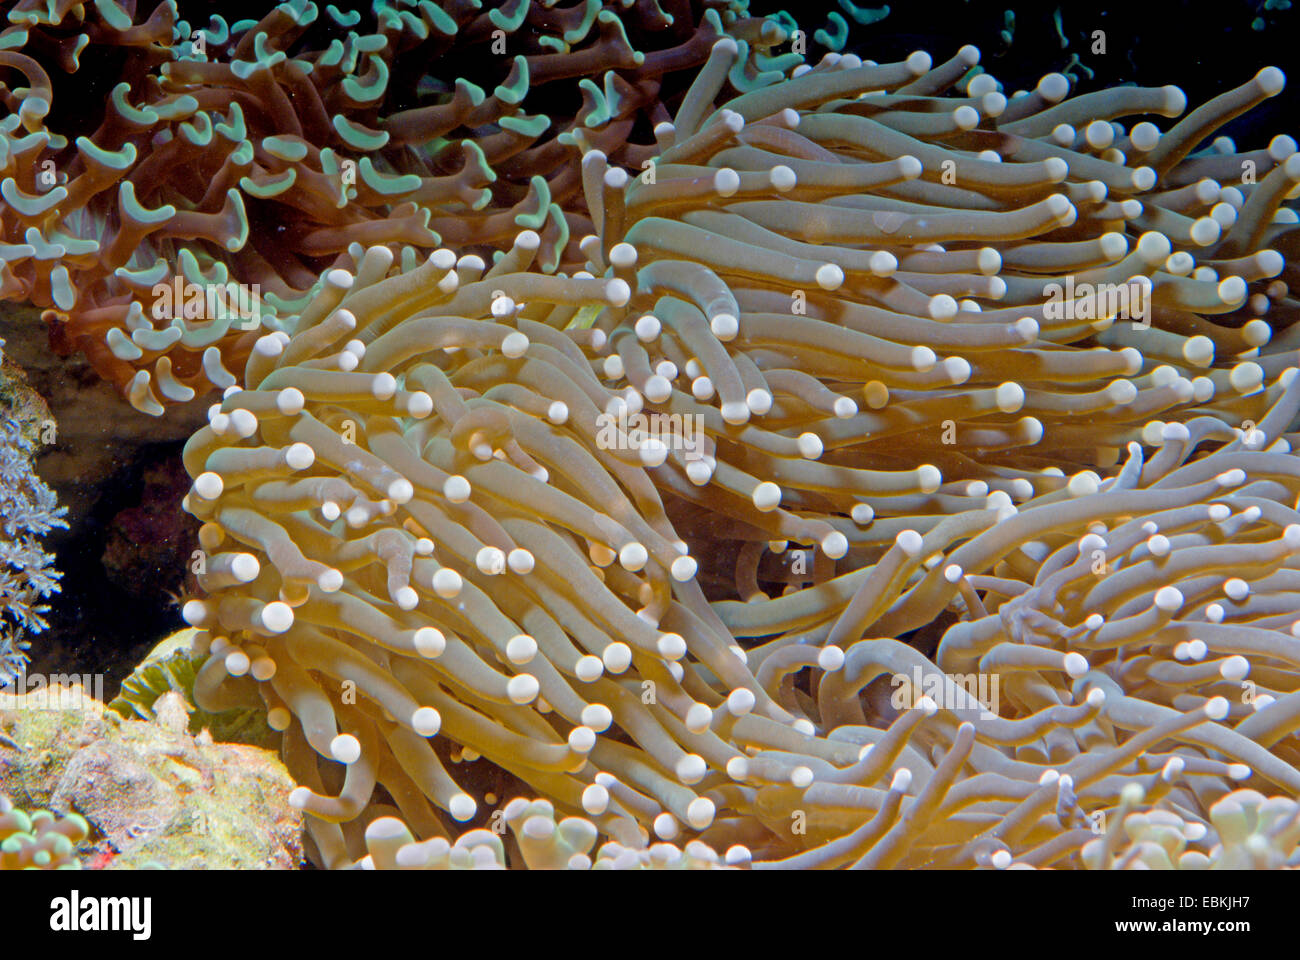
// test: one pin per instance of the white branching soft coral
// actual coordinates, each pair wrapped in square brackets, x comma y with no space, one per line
[27,511]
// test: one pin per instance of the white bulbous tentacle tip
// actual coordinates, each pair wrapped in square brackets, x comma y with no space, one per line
[1053,87]
[759,401]
[810,446]
[647,327]
[582,739]
[901,780]
[829,276]
[671,646]
[290,401]
[919,62]
[942,307]
[1216,708]
[429,642]
[835,545]
[683,568]
[1083,484]
[237,663]
[740,702]
[928,478]
[782,178]
[732,120]
[737,856]
[345,748]
[766,496]
[633,556]
[462,807]
[1231,290]
[522,689]
[276,617]
[830,658]
[691,768]
[958,369]
[725,326]
[401,491]
[521,649]
[245,567]
[617,292]
[514,345]
[700,813]
[383,386]
[1234,668]
[456,489]
[1059,205]
[1056,168]
[1271,81]
[447,583]
[882,263]
[1009,397]
[490,561]
[910,542]
[426,721]
[589,668]
[616,657]
[965,117]
[595,799]
[209,485]
[698,718]
[1168,599]
[268,346]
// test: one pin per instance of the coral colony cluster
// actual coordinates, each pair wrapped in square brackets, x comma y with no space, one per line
[42,840]
[27,511]
[739,459]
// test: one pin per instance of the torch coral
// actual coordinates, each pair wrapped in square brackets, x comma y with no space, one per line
[237,161]
[1247,831]
[481,506]
[41,841]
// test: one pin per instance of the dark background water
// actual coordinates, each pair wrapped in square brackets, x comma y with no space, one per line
[1204,48]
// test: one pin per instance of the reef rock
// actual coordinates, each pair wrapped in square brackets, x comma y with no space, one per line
[154,794]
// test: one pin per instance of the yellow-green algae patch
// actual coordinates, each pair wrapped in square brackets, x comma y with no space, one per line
[153,794]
